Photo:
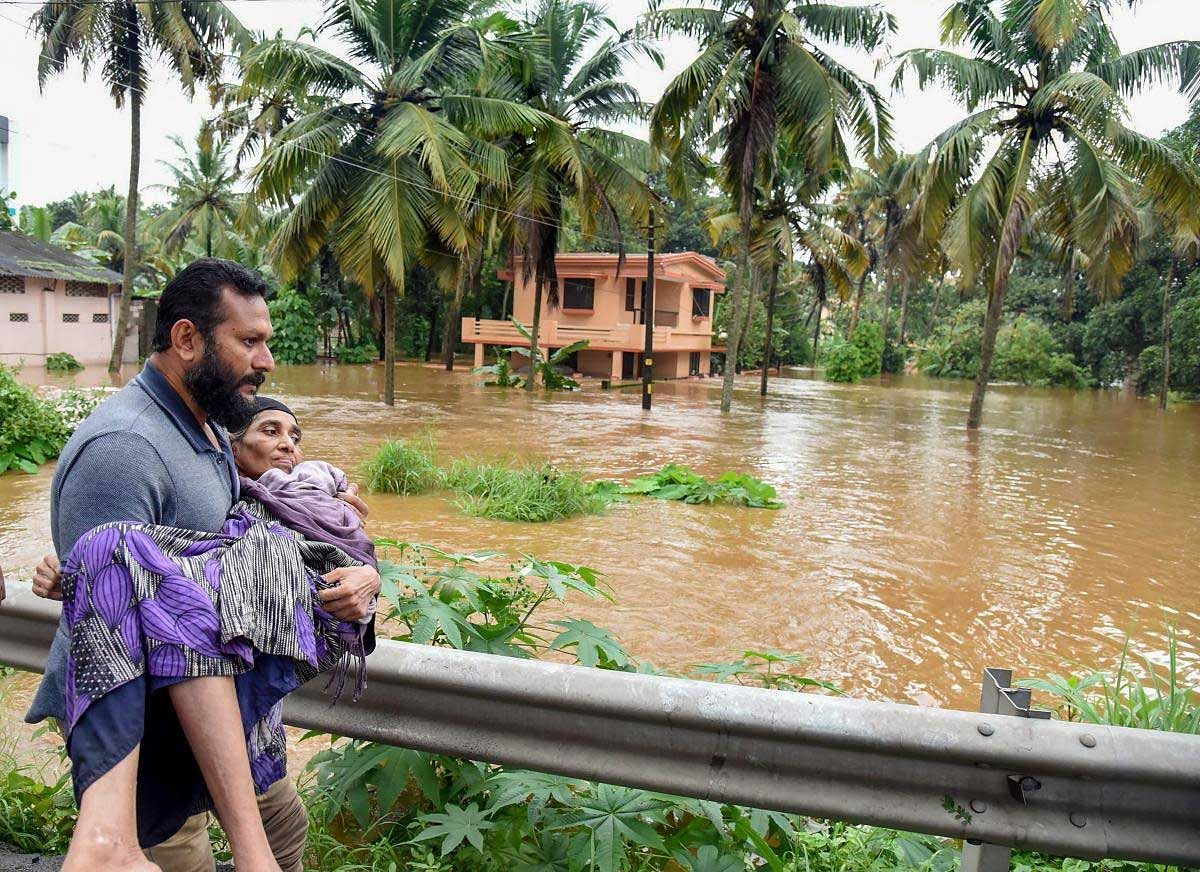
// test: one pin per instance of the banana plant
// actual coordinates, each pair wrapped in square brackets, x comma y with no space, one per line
[552,379]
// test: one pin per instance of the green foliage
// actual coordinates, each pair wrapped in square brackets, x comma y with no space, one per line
[549,369]
[295,323]
[868,339]
[1025,354]
[63,361]
[674,482]
[953,349]
[1140,695]
[365,353]
[36,815]
[525,492]
[31,429]
[403,466]
[843,363]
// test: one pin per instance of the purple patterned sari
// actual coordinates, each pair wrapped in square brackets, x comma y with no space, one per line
[148,606]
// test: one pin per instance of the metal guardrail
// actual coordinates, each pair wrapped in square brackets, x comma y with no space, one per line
[1079,790]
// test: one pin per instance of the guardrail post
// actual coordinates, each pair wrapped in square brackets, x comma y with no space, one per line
[997,697]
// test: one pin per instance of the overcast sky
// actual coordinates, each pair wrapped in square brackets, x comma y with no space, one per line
[70,137]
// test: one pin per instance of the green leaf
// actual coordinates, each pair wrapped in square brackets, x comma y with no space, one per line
[593,646]
[456,825]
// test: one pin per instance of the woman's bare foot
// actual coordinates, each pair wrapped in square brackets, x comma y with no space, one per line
[104,846]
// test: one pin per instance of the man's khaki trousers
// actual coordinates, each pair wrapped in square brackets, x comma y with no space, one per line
[284,819]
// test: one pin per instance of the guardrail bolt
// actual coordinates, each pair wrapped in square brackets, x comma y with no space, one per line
[986,729]
[1078,819]
[1087,740]
[978,806]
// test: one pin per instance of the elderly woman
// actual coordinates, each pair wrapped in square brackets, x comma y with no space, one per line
[149,607]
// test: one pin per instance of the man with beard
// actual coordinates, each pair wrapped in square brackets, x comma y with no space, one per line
[157,452]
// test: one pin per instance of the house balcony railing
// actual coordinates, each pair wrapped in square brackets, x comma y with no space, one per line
[616,337]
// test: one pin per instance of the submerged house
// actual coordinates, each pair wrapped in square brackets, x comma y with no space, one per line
[52,300]
[606,307]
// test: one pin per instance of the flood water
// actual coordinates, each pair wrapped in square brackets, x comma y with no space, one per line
[909,556]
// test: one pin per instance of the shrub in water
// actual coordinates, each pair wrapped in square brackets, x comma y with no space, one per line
[843,363]
[403,466]
[295,323]
[63,361]
[531,493]
[356,353]
[674,482]
[31,430]
[868,339]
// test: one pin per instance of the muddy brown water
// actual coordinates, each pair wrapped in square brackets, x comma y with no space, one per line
[909,556]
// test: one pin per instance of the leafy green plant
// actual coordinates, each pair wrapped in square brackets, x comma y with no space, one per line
[843,362]
[548,369]
[1139,695]
[403,466]
[31,429]
[295,323]
[675,482]
[36,815]
[365,353]
[868,339]
[522,492]
[501,372]
[63,361]
[767,668]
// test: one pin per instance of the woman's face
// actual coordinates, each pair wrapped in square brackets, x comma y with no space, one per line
[271,441]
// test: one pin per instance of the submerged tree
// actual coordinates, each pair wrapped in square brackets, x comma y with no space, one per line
[1045,85]
[761,73]
[124,38]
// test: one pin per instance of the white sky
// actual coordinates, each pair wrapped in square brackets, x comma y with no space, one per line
[70,137]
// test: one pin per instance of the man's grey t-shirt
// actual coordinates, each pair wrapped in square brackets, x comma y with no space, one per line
[142,457]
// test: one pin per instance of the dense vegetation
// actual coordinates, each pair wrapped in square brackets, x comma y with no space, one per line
[1080,231]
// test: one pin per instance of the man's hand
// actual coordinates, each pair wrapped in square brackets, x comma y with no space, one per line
[351,498]
[47,578]
[356,587]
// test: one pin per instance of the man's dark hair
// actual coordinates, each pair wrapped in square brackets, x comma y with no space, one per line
[195,295]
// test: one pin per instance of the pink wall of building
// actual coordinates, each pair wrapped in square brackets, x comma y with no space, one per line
[39,317]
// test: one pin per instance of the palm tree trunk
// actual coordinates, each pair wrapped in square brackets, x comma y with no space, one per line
[131,207]
[433,316]
[533,331]
[819,289]
[991,326]
[735,317]
[774,286]
[389,343]
[449,335]
[1166,337]
[858,295]
[755,281]
[1069,286]
[903,314]
[504,302]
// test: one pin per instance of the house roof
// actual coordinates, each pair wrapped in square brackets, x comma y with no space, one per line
[22,255]
[705,271]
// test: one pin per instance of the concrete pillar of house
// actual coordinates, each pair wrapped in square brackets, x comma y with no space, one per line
[615,368]
[49,313]
[478,354]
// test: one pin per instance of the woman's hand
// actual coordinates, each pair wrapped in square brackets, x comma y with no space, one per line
[47,578]
[356,587]
[351,498]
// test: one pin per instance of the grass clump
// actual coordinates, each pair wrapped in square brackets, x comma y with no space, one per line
[674,482]
[404,466]
[37,816]
[1142,696]
[532,493]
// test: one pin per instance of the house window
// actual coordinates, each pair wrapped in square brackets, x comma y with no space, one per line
[579,293]
[86,289]
[12,285]
[70,317]
[99,317]
[700,302]
[18,317]
[630,295]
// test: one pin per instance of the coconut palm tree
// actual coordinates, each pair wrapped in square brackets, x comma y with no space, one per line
[123,38]
[203,199]
[761,72]
[381,161]
[572,73]
[1045,84]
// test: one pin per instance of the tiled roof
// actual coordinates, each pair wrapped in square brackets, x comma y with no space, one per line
[22,255]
